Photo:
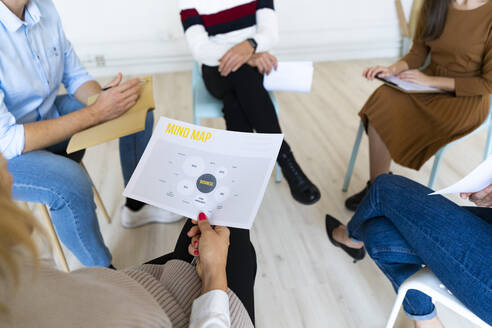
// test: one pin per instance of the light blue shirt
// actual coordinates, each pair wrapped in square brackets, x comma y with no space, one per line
[35,59]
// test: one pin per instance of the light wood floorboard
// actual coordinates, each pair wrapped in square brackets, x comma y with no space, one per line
[302,280]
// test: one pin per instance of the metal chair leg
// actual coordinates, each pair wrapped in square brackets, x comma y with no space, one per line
[45,215]
[278,178]
[97,196]
[353,157]
[488,145]
[435,167]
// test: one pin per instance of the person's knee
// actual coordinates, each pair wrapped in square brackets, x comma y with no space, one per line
[374,237]
[71,186]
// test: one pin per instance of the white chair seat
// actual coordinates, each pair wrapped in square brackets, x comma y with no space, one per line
[426,282]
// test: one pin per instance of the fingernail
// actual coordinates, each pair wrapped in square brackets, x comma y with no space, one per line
[195,242]
[196,252]
[202,217]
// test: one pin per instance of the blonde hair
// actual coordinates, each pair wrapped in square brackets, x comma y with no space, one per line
[16,227]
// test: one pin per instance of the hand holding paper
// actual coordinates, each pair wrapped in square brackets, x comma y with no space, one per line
[290,77]
[477,180]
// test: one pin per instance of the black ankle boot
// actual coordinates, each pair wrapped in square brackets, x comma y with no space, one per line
[353,201]
[301,188]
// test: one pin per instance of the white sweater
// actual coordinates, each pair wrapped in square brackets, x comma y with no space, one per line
[212,27]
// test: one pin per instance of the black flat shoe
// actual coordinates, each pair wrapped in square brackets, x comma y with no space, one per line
[301,188]
[354,201]
[331,224]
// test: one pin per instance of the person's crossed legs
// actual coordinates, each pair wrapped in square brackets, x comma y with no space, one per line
[402,227]
[49,177]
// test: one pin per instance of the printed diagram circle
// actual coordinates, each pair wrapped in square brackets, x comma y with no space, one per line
[206,183]
[193,166]
[221,194]
[185,187]
[221,172]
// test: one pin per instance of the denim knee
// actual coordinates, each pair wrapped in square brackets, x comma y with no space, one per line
[72,185]
[385,244]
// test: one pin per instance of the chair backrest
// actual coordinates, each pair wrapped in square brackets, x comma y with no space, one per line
[426,282]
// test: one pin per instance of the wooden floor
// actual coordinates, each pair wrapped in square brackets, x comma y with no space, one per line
[302,280]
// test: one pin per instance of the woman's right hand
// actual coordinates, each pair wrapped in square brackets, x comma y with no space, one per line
[382,71]
[211,246]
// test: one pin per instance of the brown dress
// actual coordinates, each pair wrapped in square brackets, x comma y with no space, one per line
[415,126]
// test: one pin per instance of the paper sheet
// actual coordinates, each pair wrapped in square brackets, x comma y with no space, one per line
[188,169]
[409,86]
[131,122]
[477,180]
[290,77]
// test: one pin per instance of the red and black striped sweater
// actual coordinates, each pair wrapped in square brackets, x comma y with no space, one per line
[212,27]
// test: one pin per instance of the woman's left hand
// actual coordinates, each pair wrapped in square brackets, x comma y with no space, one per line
[416,76]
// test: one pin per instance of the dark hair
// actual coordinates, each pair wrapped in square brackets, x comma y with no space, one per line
[434,14]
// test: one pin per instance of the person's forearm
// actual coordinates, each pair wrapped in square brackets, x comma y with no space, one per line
[86,91]
[443,83]
[399,66]
[43,134]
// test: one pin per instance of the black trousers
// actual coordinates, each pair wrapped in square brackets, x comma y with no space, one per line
[247,105]
[241,263]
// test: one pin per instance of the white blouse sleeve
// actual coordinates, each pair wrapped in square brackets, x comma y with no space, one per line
[211,310]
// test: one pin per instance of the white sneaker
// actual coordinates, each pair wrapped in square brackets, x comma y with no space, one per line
[147,214]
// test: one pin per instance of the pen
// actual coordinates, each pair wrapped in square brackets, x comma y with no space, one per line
[107,88]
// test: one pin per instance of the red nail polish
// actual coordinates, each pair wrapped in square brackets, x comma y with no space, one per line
[202,216]
[195,242]
[196,252]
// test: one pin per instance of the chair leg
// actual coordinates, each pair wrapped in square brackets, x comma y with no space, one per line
[435,167]
[97,196]
[396,308]
[488,145]
[278,178]
[55,242]
[353,157]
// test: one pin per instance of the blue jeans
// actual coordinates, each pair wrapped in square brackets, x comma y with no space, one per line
[402,228]
[50,178]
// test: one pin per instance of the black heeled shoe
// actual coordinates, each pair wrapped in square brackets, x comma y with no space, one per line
[331,224]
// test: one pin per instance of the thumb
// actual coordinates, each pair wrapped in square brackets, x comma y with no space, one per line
[116,81]
[203,223]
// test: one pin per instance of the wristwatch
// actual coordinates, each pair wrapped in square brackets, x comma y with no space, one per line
[253,44]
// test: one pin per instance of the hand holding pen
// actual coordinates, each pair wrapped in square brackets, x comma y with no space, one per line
[116,98]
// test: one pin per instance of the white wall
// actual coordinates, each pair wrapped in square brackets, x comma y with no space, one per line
[146,36]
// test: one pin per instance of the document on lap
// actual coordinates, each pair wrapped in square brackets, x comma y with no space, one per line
[131,122]
[408,87]
[188,169]
[478,179]
[290,77]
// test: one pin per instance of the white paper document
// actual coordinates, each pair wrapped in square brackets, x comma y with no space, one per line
[290,77]
[408,86]
[477,180]
[188,169]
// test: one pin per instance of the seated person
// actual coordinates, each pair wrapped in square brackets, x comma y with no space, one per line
[231,40]
[36,123]
[411,128]
[403,227]
[166,293]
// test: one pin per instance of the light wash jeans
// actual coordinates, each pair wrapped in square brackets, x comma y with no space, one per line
[48,177]
[403,227]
